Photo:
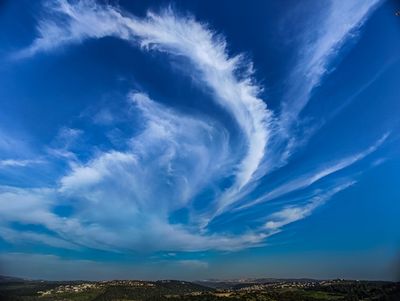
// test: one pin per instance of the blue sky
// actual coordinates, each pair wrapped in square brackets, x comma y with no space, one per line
[194,139]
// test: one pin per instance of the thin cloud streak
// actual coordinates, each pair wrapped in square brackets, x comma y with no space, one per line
[311,178]
[18,162]
[322,44]
[291,214]
[123,200]
[178,36]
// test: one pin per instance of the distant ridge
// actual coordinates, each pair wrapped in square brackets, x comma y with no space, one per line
[234,283]
[11,279]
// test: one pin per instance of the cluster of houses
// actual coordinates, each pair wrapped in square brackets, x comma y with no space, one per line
[82,287]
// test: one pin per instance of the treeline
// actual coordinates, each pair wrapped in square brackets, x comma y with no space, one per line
[364,290]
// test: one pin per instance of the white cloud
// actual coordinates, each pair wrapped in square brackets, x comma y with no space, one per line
[123,200]
[321,43]
[68,135]
[295,213]
[109,224]
[105,166]
[179,36]
[306,180]
[167,164]
[379,162]
[27,237]
[26,205]
[18,162]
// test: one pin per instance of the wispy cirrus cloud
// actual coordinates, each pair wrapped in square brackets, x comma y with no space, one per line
[18,162]
[29,237]
[308,179]
[293,213]
[179,36]
[115,208]
[126,199]
[321,43]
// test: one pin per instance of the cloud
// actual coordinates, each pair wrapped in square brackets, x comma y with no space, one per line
[68,136]
[105,166]
[7,143]
[109,224]
[26,205]
[18,162]
[295,213]
[379,162]
[180,36]
[116,185]
[161,190]
[104,116]
[321,44]
[14,145]
[307,180]
[115,208]
[28,237]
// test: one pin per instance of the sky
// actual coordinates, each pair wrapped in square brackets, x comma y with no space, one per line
[199,139]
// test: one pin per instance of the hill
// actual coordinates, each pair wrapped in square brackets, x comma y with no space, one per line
[267,289]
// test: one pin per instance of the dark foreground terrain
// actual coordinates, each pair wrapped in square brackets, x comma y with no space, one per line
[172,290]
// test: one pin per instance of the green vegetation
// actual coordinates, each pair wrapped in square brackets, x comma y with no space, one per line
[170,290]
